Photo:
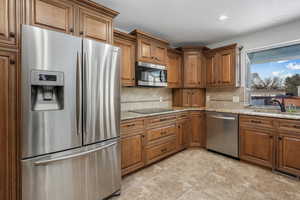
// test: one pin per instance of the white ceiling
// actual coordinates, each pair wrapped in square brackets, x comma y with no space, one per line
[187,21]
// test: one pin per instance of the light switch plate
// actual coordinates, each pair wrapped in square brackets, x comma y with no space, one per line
[235,99]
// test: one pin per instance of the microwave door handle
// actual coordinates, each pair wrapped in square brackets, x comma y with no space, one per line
[160,75]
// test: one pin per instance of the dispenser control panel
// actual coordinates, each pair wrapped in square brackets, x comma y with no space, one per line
[51,78]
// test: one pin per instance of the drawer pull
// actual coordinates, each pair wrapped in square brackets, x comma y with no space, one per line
[256,121]
[163,150]
[130,125]
[12,35]
[297,126]
[279,138]
[163,133]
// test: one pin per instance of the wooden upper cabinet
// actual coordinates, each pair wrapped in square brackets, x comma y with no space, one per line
[145,50]
[150,49]
[174,63]
[212,70]
[191,65]
[95,26]
[8,22]
[227,67]
[77,17]
[127,44]
[57,15]
[257,146]
[194,67]
[221,67]
[198,98]
[189,97]
[159,53]
[8,126]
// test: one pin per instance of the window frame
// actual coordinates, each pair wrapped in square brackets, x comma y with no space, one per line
[247,68]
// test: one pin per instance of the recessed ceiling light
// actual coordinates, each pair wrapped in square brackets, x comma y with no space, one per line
[223,17]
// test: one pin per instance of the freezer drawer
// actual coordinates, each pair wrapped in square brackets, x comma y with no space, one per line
[90,173]
[222,133]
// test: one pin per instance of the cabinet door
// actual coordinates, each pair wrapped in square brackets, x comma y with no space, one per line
[289,154]
[256,146]
[57,15]
[159,53]
[128,61]
[197,130]
[95,26]
[8,23]
[174,63]
[186,130]
[8,127]
[145,50]
[186,98]
[212,72]
[132,153]
[191,66]
[198,98]
[227,67]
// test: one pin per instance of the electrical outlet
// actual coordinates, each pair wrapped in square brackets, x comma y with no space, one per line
[207,98]
[160,99]
[235,99]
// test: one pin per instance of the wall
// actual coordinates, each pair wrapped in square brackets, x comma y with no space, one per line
[273,36]
[140,98]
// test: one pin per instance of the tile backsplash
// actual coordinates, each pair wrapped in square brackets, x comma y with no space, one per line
[230,98]
[140,98]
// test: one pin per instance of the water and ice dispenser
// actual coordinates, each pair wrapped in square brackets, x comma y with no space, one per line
[47,90]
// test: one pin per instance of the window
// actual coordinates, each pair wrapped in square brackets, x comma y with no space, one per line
[274,74]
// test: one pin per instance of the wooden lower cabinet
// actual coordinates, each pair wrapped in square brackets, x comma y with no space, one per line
[132,152]
[198,135]
[8,127]
[183,132]
[289,154]
[257,146]
[157,152]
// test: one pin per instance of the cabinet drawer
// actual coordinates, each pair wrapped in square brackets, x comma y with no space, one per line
[155,134]
[159,151]
[183,115]
[290,126]
[158,120]
[130,125]
[252,121]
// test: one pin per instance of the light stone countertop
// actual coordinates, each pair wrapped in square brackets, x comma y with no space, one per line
[129,115]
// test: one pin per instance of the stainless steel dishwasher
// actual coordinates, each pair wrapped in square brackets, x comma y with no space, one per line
[222,133]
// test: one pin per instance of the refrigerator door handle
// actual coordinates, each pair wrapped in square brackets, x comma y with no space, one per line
[44,162]
[78,95]
[84,92]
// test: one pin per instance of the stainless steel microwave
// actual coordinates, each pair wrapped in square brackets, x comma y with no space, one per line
[151,75]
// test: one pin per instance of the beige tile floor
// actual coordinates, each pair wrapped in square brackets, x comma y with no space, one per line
[202,175]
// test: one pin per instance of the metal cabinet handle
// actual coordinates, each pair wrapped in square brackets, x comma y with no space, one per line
[163,133]
[226,118]
[43,162]
[12,34]
[256,121]
[81,32]
[130,125]
[297,126]
[71,30]
[12,62]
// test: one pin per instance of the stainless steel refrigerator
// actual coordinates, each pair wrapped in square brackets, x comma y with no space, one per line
[70,117]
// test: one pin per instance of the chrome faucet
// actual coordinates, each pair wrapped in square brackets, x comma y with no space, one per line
[281,104]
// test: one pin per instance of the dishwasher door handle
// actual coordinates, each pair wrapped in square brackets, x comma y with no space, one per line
[226,118]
